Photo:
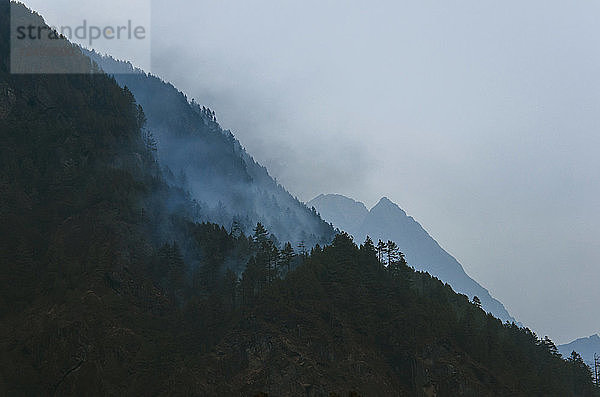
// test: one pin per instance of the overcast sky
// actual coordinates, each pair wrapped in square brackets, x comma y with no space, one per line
[481,119]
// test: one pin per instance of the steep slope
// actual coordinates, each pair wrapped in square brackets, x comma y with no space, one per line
[210,162]
[387,221]
[94,301]
[586,347]
[93,279]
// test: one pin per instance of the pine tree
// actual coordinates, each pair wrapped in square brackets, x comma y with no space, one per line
[380,250]
[550,346]
[302,248]
[287,255]
[396,263]
[392,252]
[267,254]
[260,234]
[369,246]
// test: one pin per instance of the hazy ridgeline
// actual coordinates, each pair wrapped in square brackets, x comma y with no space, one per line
[201,157]
[387,221]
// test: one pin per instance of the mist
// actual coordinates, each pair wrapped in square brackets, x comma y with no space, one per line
[198,156]
[478,118]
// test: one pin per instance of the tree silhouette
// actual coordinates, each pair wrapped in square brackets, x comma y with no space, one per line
[287,255]
[392,252]
[380,250]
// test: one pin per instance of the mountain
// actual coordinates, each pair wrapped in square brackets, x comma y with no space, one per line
[586,347]
[343,324]
[109,286]
[210,162]
[387,221]
[89,285]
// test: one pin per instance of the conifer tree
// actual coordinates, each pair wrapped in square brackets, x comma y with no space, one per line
[380,250]
[302,248]
[392,252]
[369,246]
[267,254]
[260,234]
[287,255]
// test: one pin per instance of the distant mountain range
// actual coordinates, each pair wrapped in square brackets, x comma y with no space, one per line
[210,163]
[387,221]
[586,347]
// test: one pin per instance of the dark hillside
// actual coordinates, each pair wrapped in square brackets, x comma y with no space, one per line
[344,322]
[108,287]
[94,268]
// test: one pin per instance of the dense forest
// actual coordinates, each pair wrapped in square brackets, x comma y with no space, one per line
[387,221]
[108,285]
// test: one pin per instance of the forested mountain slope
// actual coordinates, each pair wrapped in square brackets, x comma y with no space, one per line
[107,288]
[344,322]
[94,280]
[387,221]
[210,162]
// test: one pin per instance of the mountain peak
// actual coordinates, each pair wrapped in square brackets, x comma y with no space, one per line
[385,204]
[387,221]
[386,200]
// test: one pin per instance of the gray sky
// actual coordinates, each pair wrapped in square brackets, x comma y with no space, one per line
[479,118]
